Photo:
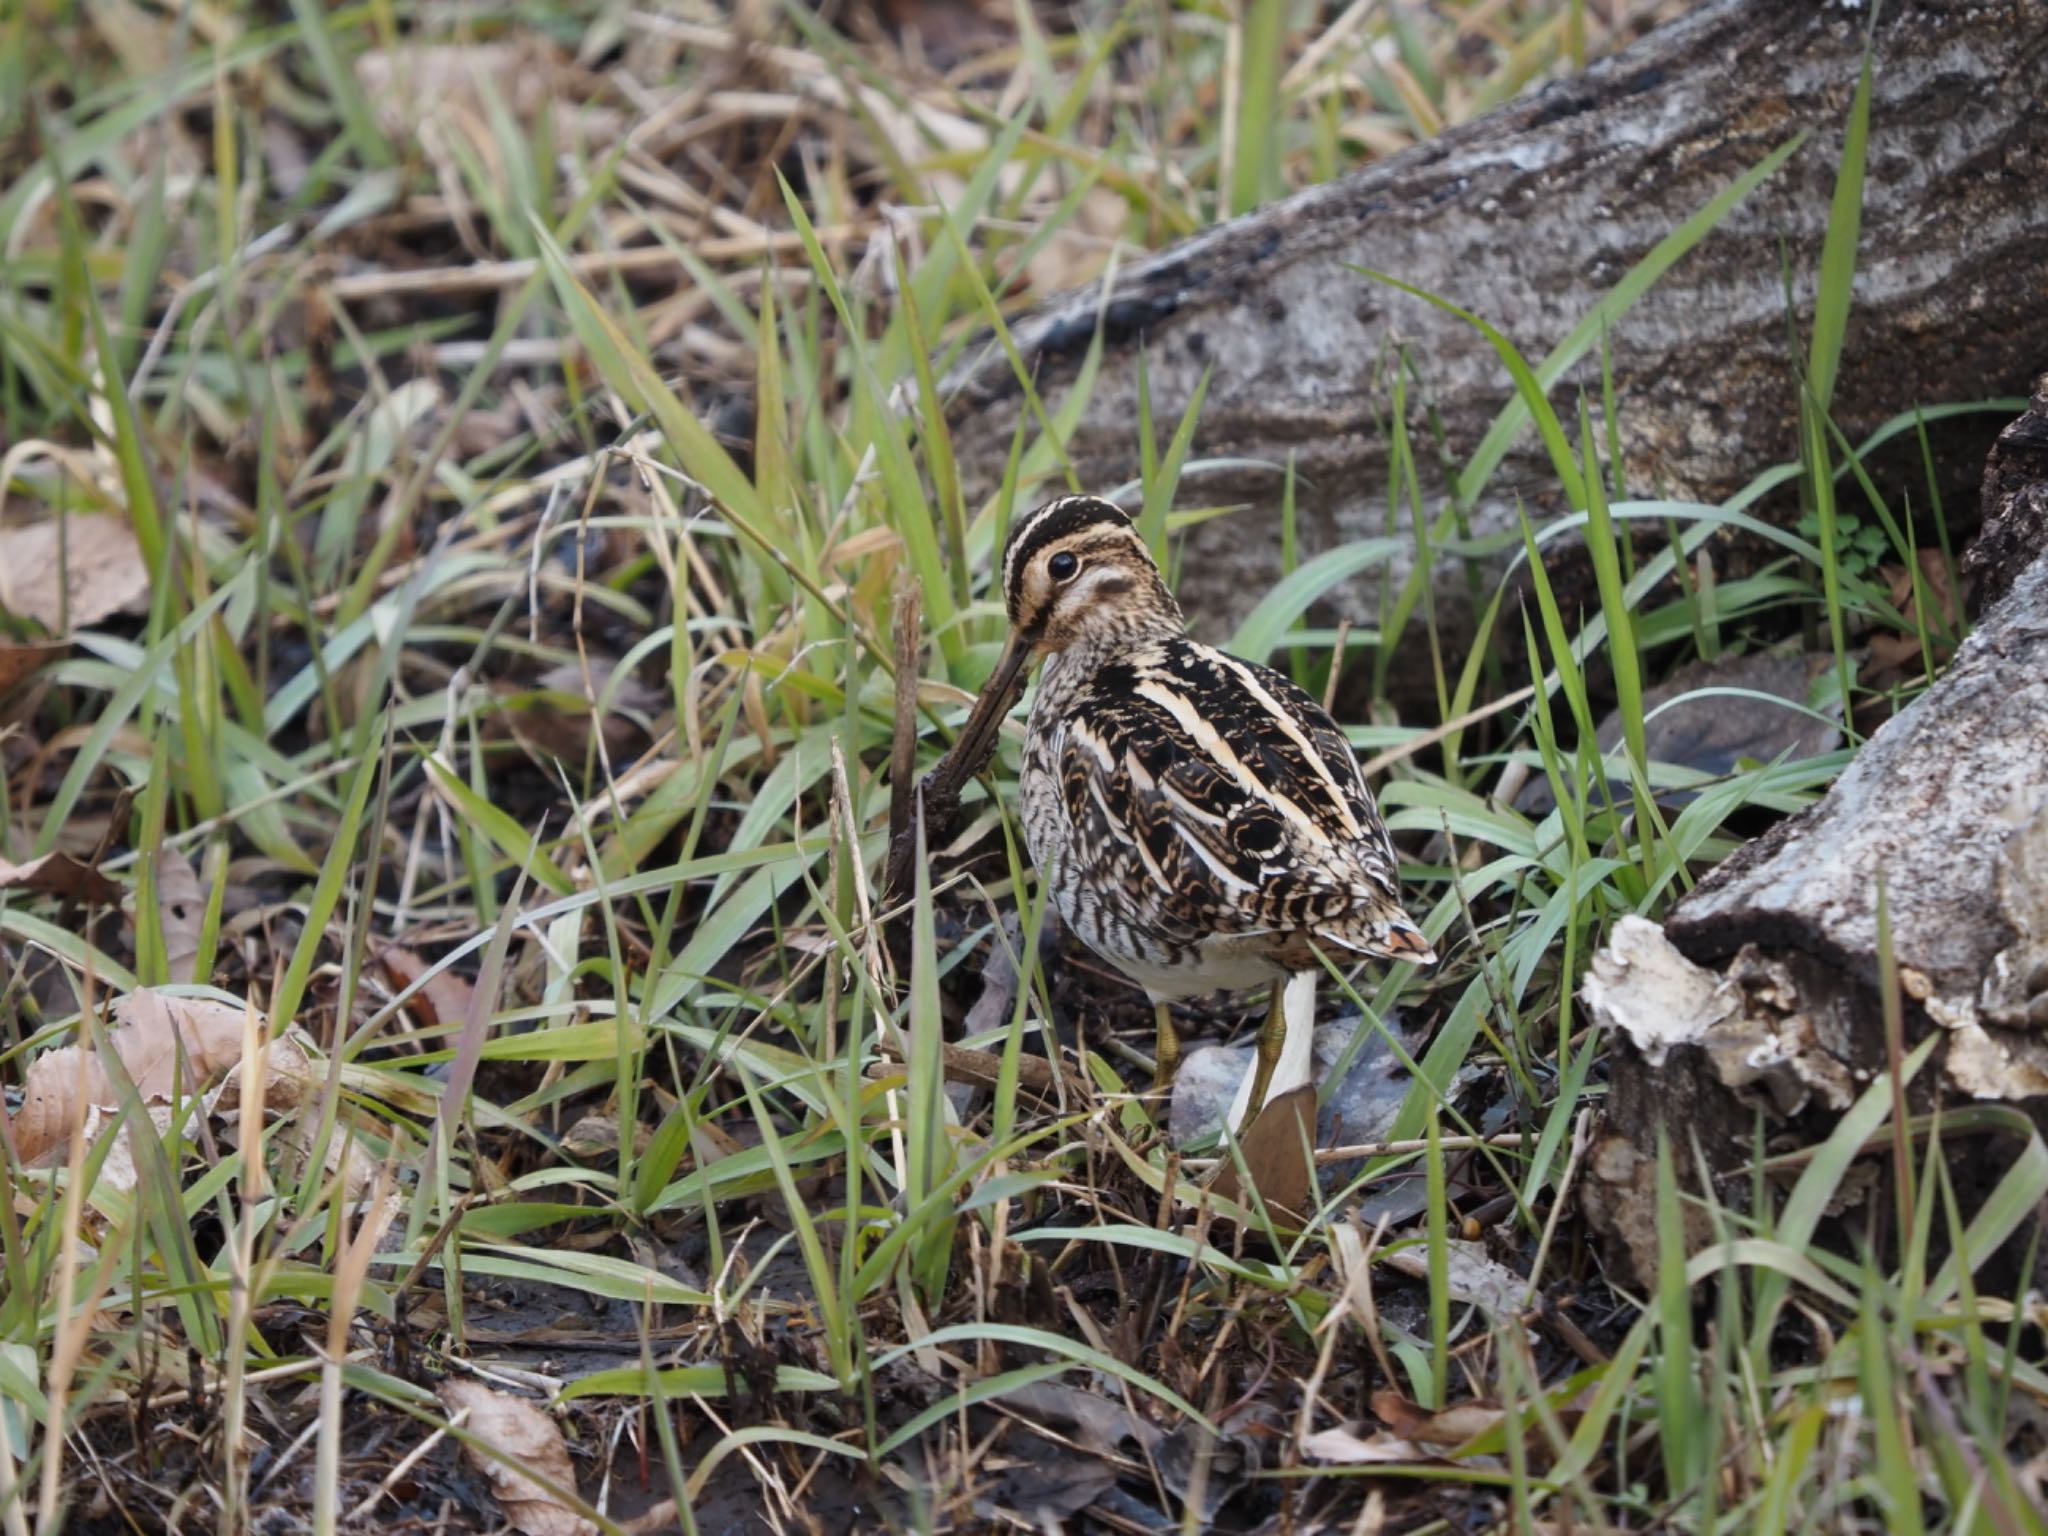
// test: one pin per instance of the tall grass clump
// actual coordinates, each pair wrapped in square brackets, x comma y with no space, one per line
[488,464]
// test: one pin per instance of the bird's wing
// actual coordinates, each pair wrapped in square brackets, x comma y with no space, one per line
[1224,793]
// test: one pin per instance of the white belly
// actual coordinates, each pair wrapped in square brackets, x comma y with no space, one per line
[1215,970]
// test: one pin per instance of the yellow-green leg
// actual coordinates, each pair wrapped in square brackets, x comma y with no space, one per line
[1166,1050]
[1272,1036]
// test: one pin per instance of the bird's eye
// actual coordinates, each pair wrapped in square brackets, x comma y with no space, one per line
[1063,566]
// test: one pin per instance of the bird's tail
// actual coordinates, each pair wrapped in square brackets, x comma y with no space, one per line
[1387,935]
[1402,940]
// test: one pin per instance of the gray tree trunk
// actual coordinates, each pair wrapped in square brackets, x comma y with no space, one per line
[1946,810]
[1763,990]
[1528,217]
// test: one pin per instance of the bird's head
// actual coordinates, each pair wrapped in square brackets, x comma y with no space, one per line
[1075,570]
[1074,573]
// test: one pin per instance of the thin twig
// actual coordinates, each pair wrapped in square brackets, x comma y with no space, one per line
[905,628]
[637,261]
[964,1064]
[1382,761]
[1397,1148]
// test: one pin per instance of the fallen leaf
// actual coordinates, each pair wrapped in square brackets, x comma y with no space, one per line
[1895,655]
[524,1437]
[117,1168]
[1101,1426]
[991,1010]
[445,998]
[288,1083]
[1473,1278]
[292,1089]
[95,554]
[1278,1146]
[1362,1105]
[1935,582]
[711,1143]
[597,1136]
[1204,1471]
[1343,1445]
[655,1520]
[556,713]
[181,908]
[1459,1424]
[59,874]
[20,662]
[154,1036]
[1042,1486]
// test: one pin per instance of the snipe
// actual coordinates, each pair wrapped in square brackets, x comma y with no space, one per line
[1201,820]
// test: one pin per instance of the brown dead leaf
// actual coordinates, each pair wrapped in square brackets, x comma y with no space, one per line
[1935,579]
[289,1077]
[1278,1147]
[1895,655]
[597,1136]
[655,1520]
[117,1168]
[154,1035]
[446,998]
[556,714]
[59,874]
[20,662]
[711,1143]
[524,1437]
[292,1088]
[98,558]
[1101,1426]
[1892,656]
[1459,1424]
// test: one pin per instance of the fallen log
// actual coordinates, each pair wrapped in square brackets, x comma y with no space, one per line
[1762,992]
[1528,218]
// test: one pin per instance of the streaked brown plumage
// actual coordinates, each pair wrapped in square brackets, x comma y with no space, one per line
[1200,819]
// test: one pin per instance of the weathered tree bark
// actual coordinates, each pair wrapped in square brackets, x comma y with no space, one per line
[1528,217]
[1763,988]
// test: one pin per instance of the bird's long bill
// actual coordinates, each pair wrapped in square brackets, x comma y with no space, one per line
[977,743]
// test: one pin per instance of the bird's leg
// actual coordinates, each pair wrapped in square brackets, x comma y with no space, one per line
[1286,1053]
[1166,1048]
[1272,1037]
